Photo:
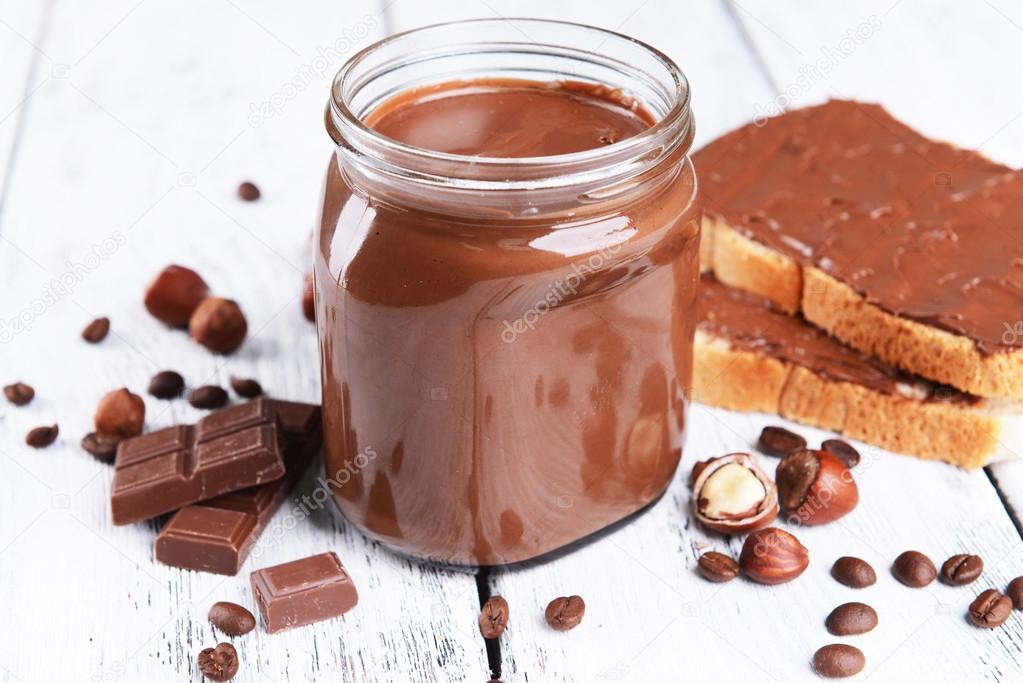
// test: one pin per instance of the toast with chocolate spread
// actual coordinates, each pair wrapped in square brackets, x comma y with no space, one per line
[905,248]
[752,356]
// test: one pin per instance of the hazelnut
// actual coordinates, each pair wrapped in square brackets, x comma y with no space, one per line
[815,487]
[218,324]
[120,413]
[731,495]
[773,556]
[174,294]
[308,301]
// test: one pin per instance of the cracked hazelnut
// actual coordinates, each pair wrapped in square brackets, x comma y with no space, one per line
[773,556]
[731,495]
[173,295]
[120,414]
[218,324]
[815,487]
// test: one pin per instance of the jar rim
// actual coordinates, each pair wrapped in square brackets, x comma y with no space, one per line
[395,158]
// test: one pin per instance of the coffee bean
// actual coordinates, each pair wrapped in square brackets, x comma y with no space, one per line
[853,572]
[219,663]
[19,393]
[246,388]
[166,384]
[41,437]
[101,446]
[990,609]
[564,614]
[960,570]
[1015,592]
[207,397]
[780,441]
[248,191]
[96,331]
[849,456]
[851,619]
[494,617]
[838,661]
[914,569]
[717,567]
[232,619]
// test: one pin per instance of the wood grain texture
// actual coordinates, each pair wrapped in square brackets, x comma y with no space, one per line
[130,161]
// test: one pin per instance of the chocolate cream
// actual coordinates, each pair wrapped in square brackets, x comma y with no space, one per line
[920,228]
[498,386]
[751,323]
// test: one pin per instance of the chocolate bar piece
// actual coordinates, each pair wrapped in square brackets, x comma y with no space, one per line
[227,450]
[303,592]
[216,535]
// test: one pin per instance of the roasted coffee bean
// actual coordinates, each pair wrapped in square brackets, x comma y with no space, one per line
[219,663]
[41,437]
[960,570]
[842,450]
[207,397]
[96,331]
[914,569]
[838,661]
[246,388]
[851,619]
[990,609]
[1015,592]
[101,446]
[19,393]
[248,191]
[717,567]
[564,614]
[853,572]
[780,442]
[494,617]
[166,384]
[232,619]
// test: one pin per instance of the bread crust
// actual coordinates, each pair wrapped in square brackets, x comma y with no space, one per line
[956,433]
[836,308]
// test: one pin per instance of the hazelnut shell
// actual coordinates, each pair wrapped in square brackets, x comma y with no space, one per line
[772,556]
[761,516]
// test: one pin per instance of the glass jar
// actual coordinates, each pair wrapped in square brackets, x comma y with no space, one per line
[506,343]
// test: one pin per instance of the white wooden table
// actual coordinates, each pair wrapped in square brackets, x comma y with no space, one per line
[125,127]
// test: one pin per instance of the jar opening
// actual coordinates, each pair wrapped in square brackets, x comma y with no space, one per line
[528,49]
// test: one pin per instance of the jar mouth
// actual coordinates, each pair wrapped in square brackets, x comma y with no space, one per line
[490,48]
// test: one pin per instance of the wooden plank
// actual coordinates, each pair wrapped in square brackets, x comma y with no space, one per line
[648,612]
[26,68]
[128,162]
[942,66]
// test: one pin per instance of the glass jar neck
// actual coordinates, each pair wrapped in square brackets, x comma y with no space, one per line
[534,50]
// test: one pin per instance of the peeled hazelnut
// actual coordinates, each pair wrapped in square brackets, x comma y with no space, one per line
[218,324]
[174,294]
[731,495]
[773,556]
[815,487]
[120,413]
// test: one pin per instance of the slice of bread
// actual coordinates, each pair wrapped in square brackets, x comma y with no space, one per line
[776,206]
[754,357]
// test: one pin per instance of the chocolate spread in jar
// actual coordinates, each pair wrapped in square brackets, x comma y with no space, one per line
[496,387]
[920,228]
